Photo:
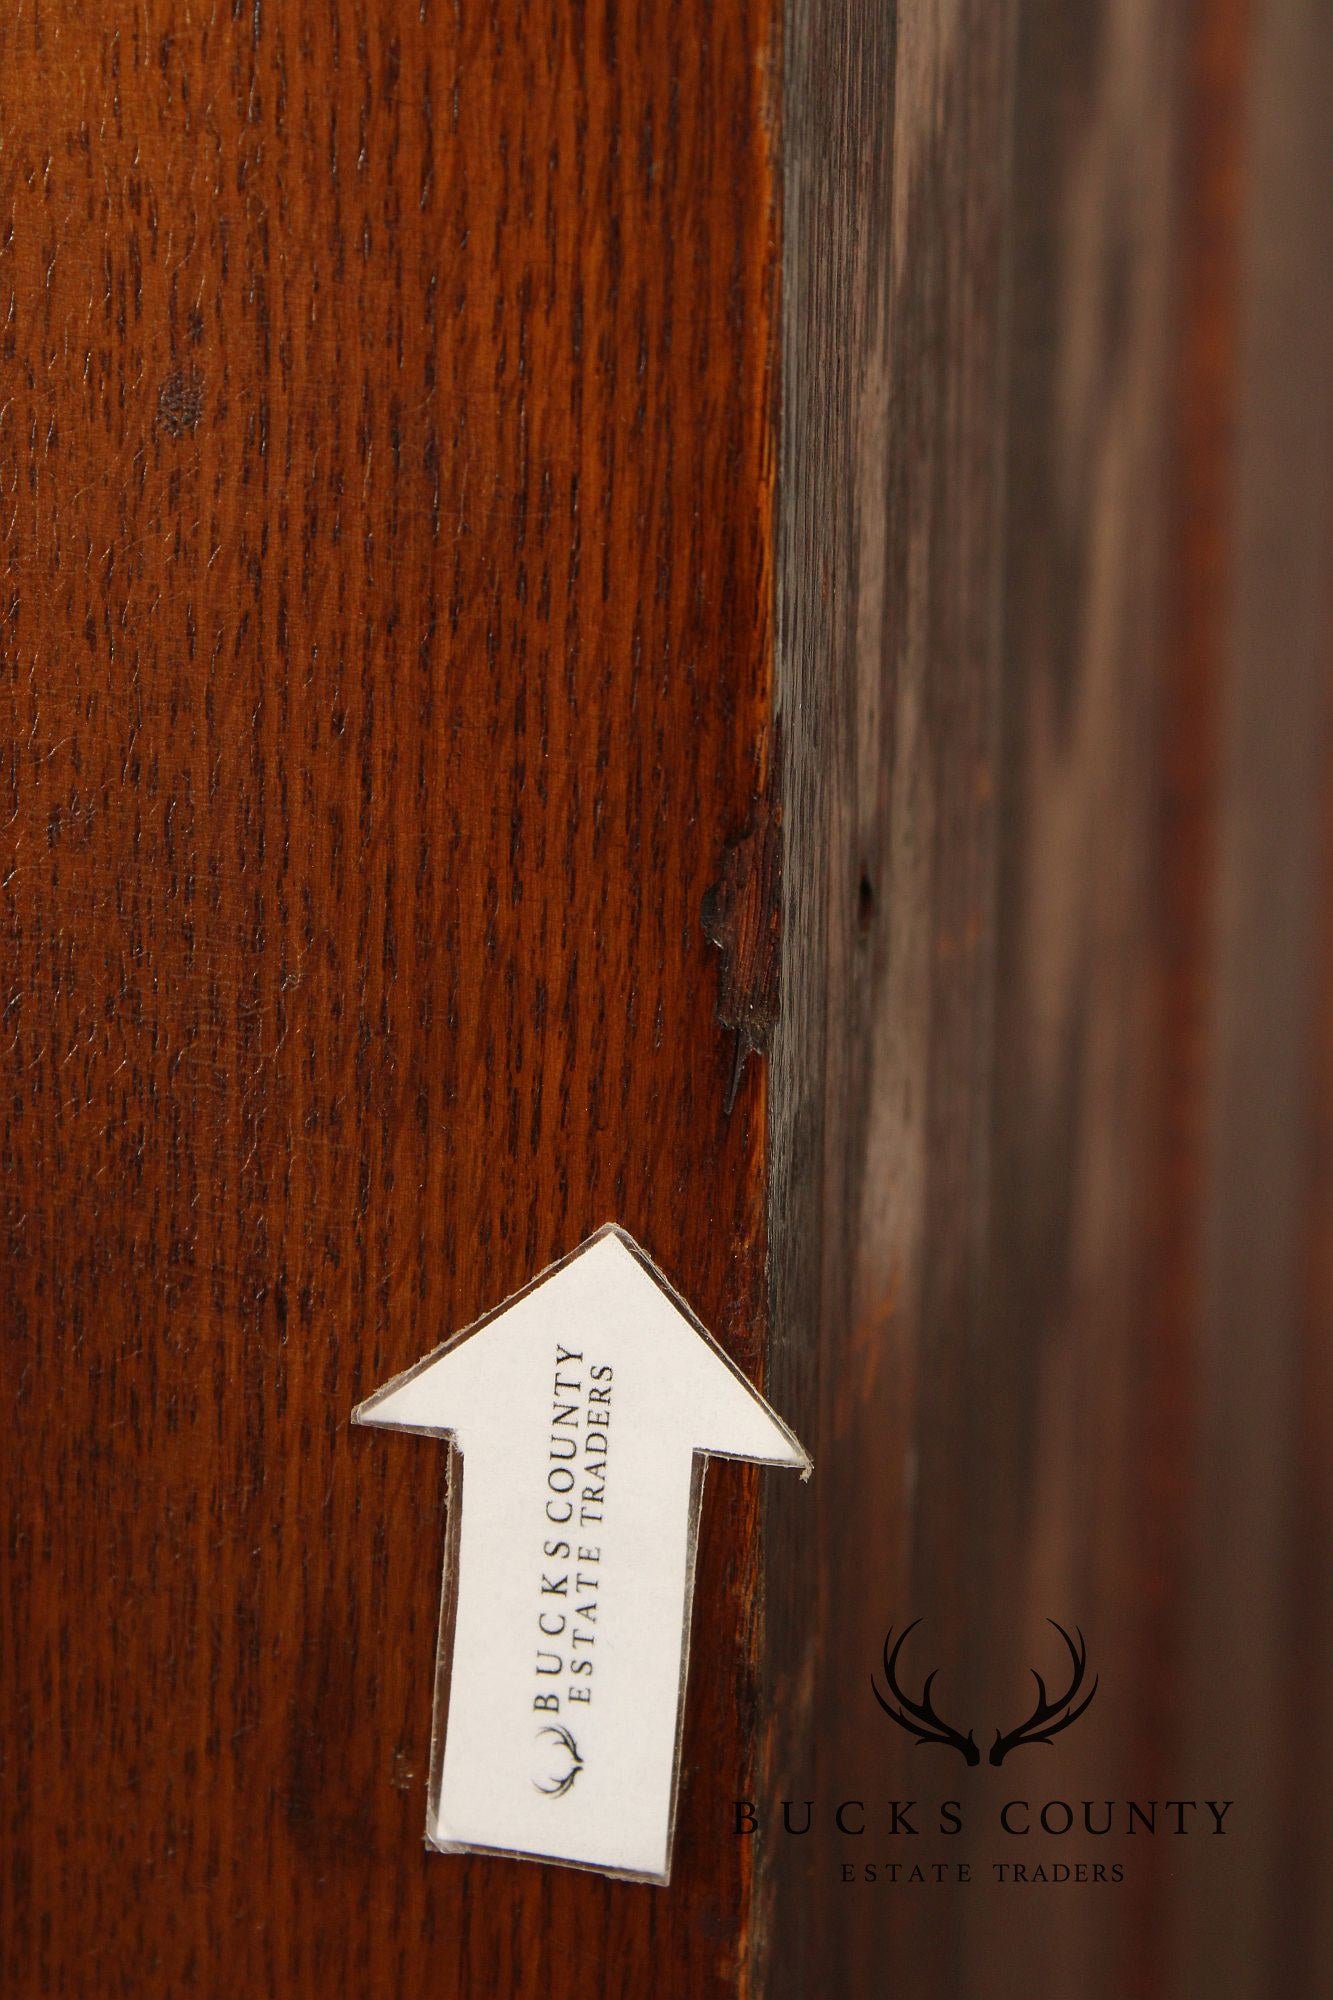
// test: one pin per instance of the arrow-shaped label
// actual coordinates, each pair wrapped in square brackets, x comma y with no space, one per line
[581,1413]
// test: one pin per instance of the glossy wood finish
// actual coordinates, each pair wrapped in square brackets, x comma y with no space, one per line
[387,461]
[718,620]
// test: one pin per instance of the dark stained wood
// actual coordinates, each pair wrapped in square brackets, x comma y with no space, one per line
[723,621]
[1261,1581]
[1049,1181]
[387,418]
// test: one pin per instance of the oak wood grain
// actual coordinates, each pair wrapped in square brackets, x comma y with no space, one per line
[387,433]
[554,557]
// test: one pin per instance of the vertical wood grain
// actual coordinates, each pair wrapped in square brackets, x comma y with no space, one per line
[1261,1531]
[1053,668]
[386,409]
[437,733]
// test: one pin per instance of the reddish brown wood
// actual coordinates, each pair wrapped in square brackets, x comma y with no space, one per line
[402,872]
[387,454]
[1210,168]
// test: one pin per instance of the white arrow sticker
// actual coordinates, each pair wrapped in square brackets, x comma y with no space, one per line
[581,1413]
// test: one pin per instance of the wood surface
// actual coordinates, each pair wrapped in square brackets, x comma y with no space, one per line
[388,449]
[717,620]
[1051,1071]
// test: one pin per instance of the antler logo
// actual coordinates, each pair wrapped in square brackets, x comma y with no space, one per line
[558,1782]
[918,1718]
[1048,1718]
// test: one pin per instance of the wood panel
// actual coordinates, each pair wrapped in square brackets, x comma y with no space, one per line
[1259,1583]
[387,431]
[1053,668]
[548,550]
